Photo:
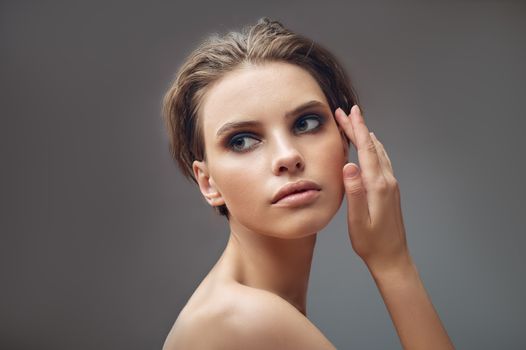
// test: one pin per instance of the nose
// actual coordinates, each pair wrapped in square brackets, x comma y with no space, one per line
[287,158]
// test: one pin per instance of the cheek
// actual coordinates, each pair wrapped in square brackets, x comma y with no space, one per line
[237,180]
[330,152]
[329,160]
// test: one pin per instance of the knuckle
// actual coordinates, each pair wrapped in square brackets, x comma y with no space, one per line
[393,183]
[355,190]
[370,146]
[395,188]
[381,186]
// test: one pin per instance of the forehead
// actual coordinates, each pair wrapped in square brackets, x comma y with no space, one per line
[263,93]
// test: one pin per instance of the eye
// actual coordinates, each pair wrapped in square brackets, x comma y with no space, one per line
[303,123]
[239,143]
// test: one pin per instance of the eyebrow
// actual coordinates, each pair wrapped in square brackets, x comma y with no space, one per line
[227,127]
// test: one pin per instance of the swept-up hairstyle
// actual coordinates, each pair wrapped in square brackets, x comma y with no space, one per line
[266,41]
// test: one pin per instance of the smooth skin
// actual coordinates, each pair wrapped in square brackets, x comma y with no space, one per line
[377,235]
[255,296]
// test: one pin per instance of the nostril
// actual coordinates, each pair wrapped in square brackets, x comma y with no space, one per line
[289,165]
[299,164]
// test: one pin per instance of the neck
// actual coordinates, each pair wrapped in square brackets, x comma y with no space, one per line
[280,266]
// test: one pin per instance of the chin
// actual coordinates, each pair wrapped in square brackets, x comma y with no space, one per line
[293,223]
[307,222]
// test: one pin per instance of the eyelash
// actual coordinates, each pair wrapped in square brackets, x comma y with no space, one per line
[241,136]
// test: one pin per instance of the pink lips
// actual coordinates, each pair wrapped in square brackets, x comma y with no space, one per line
[299,192]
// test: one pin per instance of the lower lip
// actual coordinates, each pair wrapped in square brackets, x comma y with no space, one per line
[297,199]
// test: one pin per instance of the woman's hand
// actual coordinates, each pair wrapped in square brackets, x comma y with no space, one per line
[377,233]
[374,215]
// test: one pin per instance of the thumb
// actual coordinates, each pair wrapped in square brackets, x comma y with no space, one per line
[357,206]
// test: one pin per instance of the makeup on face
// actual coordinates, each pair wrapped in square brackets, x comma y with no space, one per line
[232,135]
[300,193]
[269,131]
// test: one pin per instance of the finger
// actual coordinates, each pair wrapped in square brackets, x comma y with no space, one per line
[345,123]
[382,155]
[367,153]
[357,206]
[383,151]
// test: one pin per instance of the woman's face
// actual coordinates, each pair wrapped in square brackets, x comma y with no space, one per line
[247,164]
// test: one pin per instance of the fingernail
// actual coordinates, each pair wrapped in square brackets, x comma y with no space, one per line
[358,109]
[351,171]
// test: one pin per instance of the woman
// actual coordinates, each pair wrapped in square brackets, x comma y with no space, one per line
[257,119]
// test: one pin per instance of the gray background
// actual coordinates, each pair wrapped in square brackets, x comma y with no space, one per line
[103,241]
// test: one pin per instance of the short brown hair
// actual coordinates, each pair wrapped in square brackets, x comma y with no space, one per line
[266,41]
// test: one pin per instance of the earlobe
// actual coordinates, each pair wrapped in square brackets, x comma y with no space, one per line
[206,183]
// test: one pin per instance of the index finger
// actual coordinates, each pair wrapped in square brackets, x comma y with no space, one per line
[367,153]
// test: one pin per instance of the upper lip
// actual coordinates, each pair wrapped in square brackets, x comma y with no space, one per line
[292,187]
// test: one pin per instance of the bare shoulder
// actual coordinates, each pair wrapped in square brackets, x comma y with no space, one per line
[245,318]
[266,321]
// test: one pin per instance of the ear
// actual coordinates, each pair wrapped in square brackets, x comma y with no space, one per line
[206,184]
